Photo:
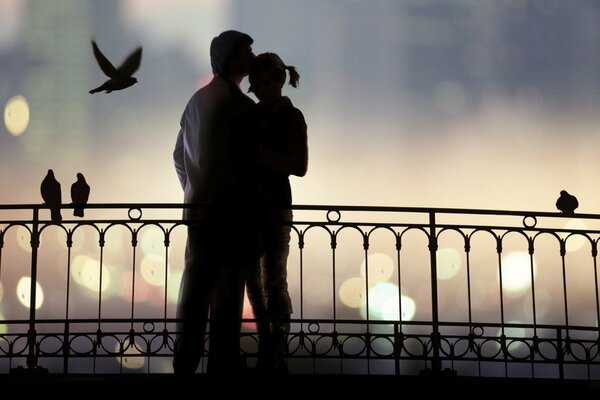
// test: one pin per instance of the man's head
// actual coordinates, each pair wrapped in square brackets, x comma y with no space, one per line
[231,53]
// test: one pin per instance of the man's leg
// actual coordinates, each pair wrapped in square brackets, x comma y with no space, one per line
[192,309]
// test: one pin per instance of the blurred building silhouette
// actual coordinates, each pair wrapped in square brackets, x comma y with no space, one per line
[57,34]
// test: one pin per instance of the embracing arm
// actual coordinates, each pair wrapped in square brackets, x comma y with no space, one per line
[296,162]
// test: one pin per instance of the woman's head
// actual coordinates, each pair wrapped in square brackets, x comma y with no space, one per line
[267,76]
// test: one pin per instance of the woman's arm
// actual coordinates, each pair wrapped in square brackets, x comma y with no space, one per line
[296,162]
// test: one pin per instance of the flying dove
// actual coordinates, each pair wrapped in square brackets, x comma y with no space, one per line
[80,192]
[120,78]
[567,203]
[50,189]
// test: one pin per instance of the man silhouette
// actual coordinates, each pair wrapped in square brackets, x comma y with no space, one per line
[206,162]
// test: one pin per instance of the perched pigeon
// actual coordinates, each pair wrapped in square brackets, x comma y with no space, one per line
[120,78]
[567,203]
[50,189]
[80,192]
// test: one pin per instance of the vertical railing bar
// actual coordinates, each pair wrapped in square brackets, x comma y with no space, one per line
[101,243]
[167,233]
[1,248]
[333,296]
[469,300]
[531,251]
[99,328]
[560,354]
[563,252]
[301,265]
[134,246]
[397,350]
[368,333]
[167,242]
[333,247]
[501,285]
[500,280]
[31,334]
[66,346]
[595,258]
[436,364]
[398,329]
[534,339]
[301,251]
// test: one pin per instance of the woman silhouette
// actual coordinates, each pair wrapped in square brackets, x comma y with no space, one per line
[283,151]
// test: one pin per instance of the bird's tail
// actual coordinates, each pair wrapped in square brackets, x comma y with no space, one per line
[94,91]
[78,211]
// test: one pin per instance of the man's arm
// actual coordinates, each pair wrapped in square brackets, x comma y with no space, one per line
[178,159]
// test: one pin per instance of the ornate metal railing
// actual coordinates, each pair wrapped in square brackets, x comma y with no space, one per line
[376,290]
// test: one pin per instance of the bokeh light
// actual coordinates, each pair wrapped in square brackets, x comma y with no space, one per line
[23,238]
[381,268]
[152,241]
[130,358]
[391,308]
[152,268]
[143,291]
[384,304]
[16,115]
[575,241]
[24,292]
[516,271]
[448,263]
[352,292]
[173,282]
[86,272]
[512,332]
[3,327]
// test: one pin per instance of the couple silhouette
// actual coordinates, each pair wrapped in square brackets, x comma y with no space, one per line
[233,158]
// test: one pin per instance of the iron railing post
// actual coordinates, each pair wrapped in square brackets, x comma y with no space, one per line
[436,363]
[31,334]
[560,354]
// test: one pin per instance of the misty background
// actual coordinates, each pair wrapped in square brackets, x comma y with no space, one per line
[470,104]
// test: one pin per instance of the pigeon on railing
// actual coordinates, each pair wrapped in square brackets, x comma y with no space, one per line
[567,203]
[50,189]
[80,193]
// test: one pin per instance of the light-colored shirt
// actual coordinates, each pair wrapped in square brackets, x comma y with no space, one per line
[204,152]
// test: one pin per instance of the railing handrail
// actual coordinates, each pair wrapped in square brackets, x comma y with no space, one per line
[321,207]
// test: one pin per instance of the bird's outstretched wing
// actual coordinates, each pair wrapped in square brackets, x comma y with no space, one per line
[131,63]
[103,62]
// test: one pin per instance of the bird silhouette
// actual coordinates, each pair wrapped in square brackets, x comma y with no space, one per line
[80,193]
[50,189]
[120,78]
[567,203]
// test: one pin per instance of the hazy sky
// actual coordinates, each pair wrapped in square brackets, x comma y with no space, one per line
[468,104]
